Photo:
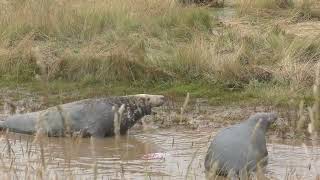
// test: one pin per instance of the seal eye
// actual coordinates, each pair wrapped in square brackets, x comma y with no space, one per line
[148,99]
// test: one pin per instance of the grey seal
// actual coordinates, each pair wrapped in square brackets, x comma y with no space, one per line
[90,117]
[239,149]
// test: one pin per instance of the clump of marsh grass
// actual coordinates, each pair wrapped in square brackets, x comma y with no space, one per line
[9,149]
[307,9]
[9,107]
[93,152]
[314,112]
[299,61]
[65,121]
[116,120]
[118,113]
[95,41]
[308,119]
[184,106]
[47,63]
[301,117]
[115,41]
[213,173]
[17,63]
[245,6]
[136,42]
[39,138]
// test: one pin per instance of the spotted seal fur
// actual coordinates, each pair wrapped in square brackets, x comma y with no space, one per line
[91,117]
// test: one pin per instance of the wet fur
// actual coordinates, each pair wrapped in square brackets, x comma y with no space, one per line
[240,148]
[89,117]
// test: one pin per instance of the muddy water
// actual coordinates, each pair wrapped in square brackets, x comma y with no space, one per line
[150,151]
[154,154]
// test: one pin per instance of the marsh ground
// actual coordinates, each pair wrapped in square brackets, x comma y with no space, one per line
[251,55]
[162,147]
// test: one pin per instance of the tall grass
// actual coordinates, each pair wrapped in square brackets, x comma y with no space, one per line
[314,111]
[134,41]
[249,5]
[307,9]
[304,9]
[102,40]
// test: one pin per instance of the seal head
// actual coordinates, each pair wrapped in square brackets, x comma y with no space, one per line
[240,148]
[137,106]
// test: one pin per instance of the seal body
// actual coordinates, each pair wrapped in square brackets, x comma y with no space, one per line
[239,149]
[90,117]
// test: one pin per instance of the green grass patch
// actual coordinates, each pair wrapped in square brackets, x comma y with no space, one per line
[60,91]
[121,47]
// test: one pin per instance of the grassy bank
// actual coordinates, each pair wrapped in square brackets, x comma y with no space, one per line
[122,47]
[65,50]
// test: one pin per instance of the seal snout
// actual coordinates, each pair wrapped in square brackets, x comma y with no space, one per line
[156,100]
[153,100]
[264,117]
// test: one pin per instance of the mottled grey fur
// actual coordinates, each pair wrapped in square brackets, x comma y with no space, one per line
[239,148]
[91,117]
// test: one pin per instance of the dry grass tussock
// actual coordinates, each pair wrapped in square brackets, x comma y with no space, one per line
[102,40]
[249,5]
[149,41]
[305,9]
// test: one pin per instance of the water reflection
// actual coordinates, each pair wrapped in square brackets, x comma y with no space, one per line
[157,154]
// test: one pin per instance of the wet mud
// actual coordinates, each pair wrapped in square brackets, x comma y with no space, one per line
[168,145]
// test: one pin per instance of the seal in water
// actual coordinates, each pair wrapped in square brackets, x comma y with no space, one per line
[90,117]
[241,148]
